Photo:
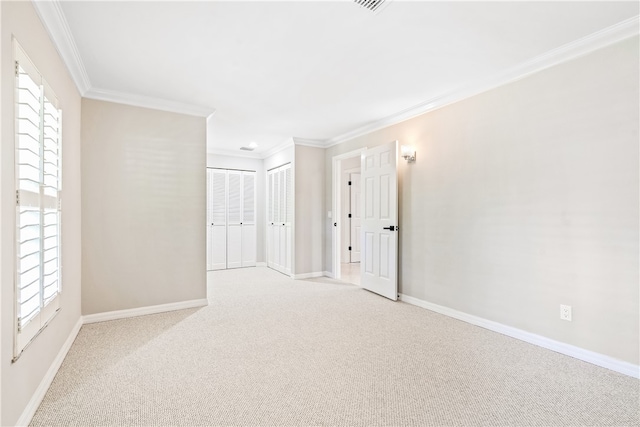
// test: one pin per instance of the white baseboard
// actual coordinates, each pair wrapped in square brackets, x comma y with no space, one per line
[589,356]
[261,264]
[38,395]
[328,274]
[308,275]
[142,311]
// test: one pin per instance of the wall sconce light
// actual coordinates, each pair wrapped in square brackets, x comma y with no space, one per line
[408,153]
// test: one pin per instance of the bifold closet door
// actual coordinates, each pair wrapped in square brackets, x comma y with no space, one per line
[216,220]
[280,219]
[234,220]
[231,219]
[248,223]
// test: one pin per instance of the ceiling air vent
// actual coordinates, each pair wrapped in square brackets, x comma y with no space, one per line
[372,5]
[247,148]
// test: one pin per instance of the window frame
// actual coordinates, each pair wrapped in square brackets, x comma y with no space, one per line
[46,201]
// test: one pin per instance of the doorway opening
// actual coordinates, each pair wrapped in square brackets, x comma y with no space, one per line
[346,217]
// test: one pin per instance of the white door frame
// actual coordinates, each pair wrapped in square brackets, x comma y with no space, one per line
[336,208]
[346,175]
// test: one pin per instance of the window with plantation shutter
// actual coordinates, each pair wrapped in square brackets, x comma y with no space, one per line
[37,170]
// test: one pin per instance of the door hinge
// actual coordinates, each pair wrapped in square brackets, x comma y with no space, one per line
[349,215]
[349,182]
[349,247]
[18,197]
[17,69]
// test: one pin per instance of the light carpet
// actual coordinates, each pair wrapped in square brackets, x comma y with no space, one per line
[272,351]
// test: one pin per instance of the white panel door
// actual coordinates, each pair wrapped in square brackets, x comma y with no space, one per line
[355,217]
[217,217]
[248,223]
[234,219]
[379,220]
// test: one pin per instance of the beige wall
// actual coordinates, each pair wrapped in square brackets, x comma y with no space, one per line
[143,207]
[21,379]
[243,163]
[310,210]
[526,197]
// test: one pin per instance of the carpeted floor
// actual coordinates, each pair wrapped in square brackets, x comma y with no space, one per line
[272,351]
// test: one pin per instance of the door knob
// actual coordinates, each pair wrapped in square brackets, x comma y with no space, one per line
[392,228]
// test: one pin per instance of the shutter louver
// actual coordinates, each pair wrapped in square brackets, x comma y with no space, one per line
[29,230]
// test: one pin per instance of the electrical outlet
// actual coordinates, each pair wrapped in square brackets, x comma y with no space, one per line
[565,312]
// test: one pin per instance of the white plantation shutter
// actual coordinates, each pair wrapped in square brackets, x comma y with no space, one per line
[38,167]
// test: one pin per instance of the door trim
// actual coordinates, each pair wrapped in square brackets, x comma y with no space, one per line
[336,209]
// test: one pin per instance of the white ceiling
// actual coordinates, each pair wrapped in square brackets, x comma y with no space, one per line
[313,70]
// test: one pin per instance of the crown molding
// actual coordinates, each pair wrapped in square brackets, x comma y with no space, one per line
[52,17]
[316,143]
[235,153]
[289,142]
[149,102]
[580,47]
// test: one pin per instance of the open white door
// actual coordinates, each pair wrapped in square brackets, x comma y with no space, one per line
[379,221]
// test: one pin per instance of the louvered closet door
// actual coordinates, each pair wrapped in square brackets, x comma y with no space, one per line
[276,221]
[270,222]
[280,219]
[209,219]
[288,218]
[217,220]
[234,220]
[248,223]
